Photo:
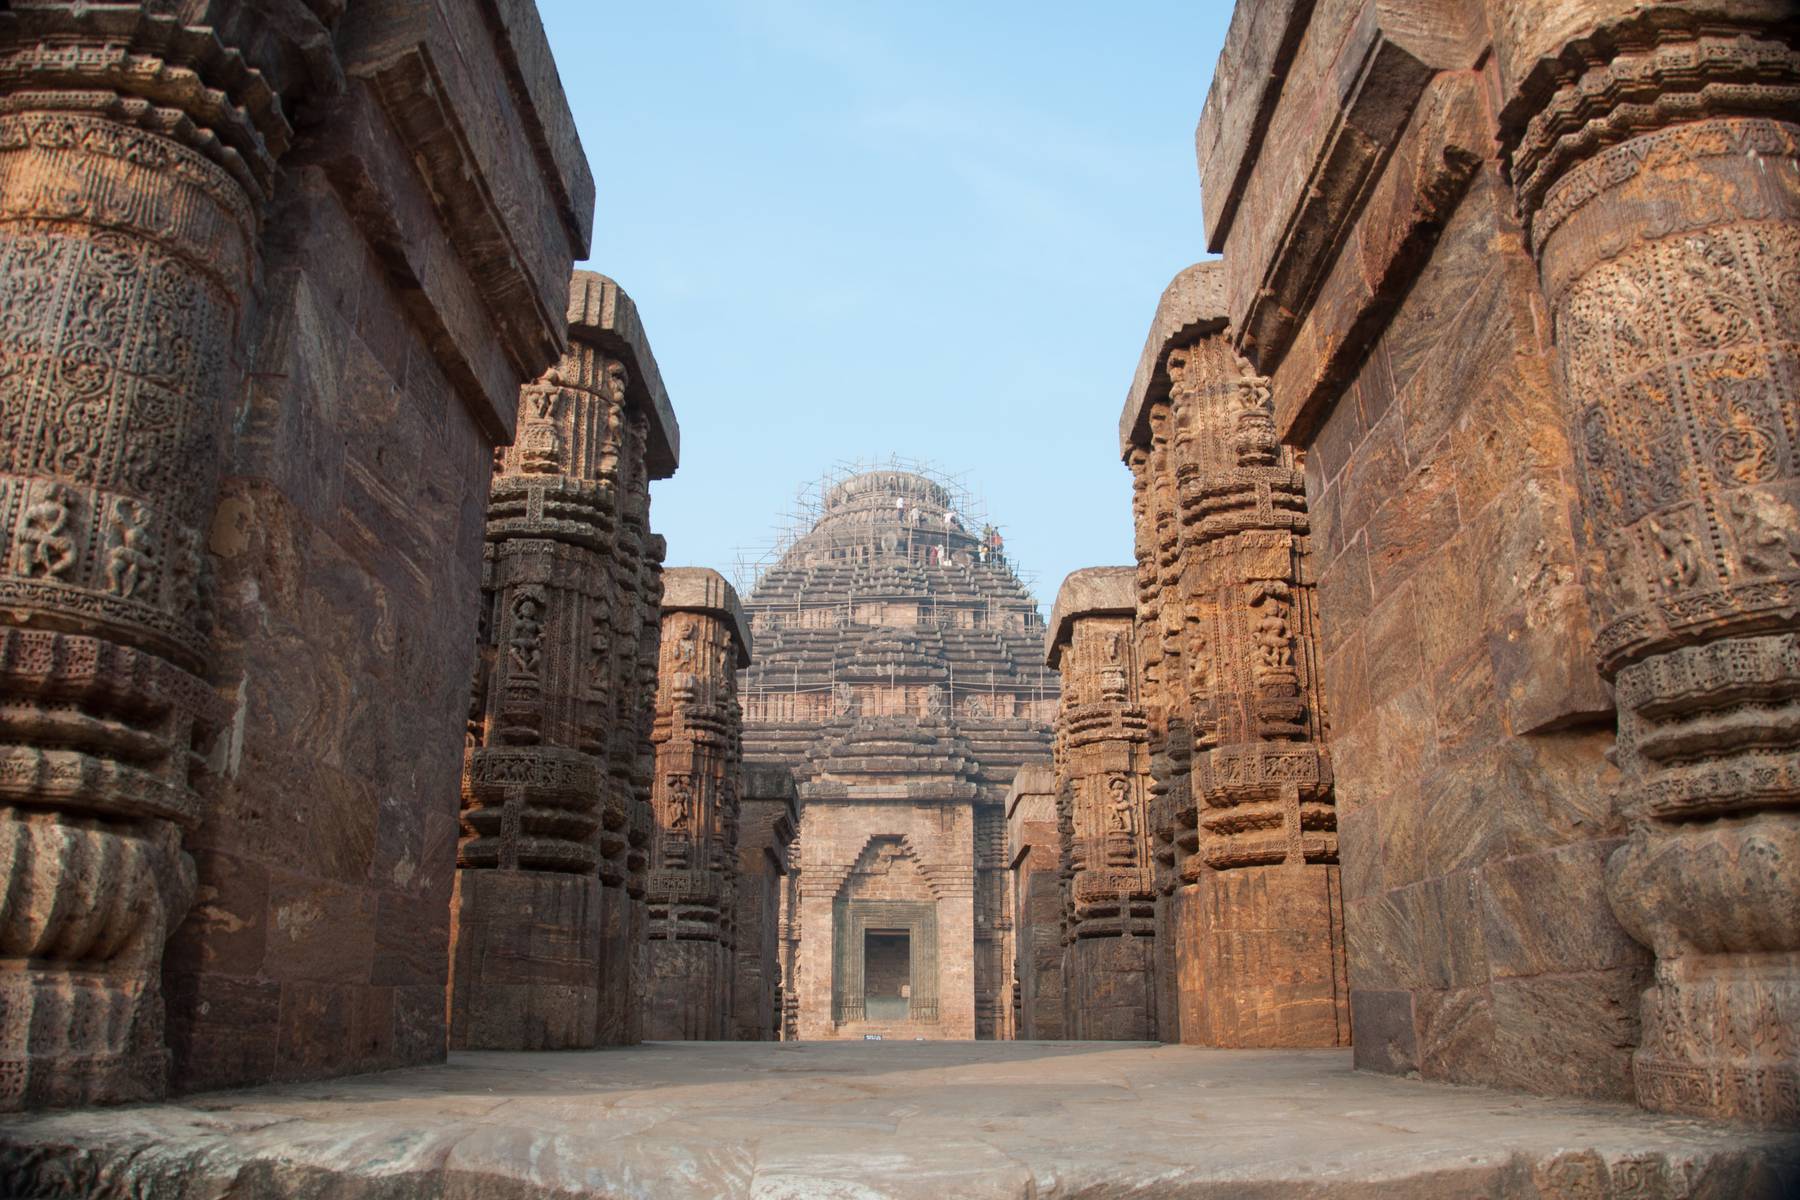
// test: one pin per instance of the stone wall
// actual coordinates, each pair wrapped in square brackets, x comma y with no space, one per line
[698,737]
[1102,805]
[264,334]
[544,915]
[768,821]
[1034,856]
[1250,935]
[1521,275]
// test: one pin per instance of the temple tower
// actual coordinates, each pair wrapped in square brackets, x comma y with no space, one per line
[897,675]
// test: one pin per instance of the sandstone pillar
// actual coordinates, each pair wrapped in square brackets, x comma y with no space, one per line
[1656,159]
[1250,918]
[135,154]
[542,952]
[1034,856]
[768,822]
[698,739]
[1102,771]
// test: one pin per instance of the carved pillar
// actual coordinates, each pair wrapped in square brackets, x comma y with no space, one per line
[1658,165]
[1102,771]
[134,156]
[542,952]
[1256,925]
[696,791]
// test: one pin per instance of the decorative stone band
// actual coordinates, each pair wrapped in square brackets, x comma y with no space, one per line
[553,508]
[175,80]
[531,807]
[701,888]
[1639,82]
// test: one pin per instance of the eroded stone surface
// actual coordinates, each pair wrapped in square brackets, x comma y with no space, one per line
[1102,768]
[696,800]
[890,1120]
[548,917]
[1523,289]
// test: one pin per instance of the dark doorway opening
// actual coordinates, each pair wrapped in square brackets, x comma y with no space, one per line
[887,974]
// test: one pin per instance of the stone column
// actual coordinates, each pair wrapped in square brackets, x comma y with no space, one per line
[135,154]
[697,782]
[1657,161]
[1034,853]
[769,819]
[1102,769]
[541,945]
[1249,917]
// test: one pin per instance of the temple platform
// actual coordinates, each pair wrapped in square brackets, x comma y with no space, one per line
[874,1120]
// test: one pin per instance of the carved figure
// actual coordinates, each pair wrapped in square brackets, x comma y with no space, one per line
[526,641]
[45,546]
[131,558]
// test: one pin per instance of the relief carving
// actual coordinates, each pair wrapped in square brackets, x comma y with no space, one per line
[127,234]
[1676,343]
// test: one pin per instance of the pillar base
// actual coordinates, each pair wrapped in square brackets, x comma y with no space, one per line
[526,963]
[1259,954]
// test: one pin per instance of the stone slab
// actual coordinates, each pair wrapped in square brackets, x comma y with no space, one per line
[783,1121]
[602,314]
[1090,592]
[1192,306]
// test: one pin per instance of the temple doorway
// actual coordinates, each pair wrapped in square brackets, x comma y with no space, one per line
[887,974]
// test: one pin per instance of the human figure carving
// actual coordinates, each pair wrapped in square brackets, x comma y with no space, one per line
[133,555]
[527,639]
[44,547]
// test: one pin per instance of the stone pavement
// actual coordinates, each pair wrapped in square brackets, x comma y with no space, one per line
[870,1121]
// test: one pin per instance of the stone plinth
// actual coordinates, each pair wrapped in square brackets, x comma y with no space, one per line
[556,780]
[254,376]
[911,1121]
[768,822]
[691,971]
[1102,792]
[1034,858]
[1250,924]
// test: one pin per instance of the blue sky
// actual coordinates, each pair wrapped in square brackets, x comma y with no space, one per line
[937,230]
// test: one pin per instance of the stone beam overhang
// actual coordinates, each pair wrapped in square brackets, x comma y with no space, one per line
[471,93]
[605,317]
[1091,592]
[1307,109]
[1192,306]
[704,590]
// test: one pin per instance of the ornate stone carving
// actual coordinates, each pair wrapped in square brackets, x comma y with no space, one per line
[1102,775]
[1658,166]
[135,154]
[698,737]
[555,790]
[1242,814]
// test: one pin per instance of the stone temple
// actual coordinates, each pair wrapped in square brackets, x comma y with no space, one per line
[388,809]
[898,674]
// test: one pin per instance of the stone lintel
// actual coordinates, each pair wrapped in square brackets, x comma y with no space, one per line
[1192,306]
[1090,592]
[1325,90]
[472,93]
[604,316]
[704,590]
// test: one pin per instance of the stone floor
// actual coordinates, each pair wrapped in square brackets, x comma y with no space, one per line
[868,1121]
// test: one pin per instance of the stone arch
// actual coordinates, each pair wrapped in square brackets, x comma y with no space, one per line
[869,849]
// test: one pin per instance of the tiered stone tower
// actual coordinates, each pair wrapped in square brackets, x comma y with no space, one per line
[896,672]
